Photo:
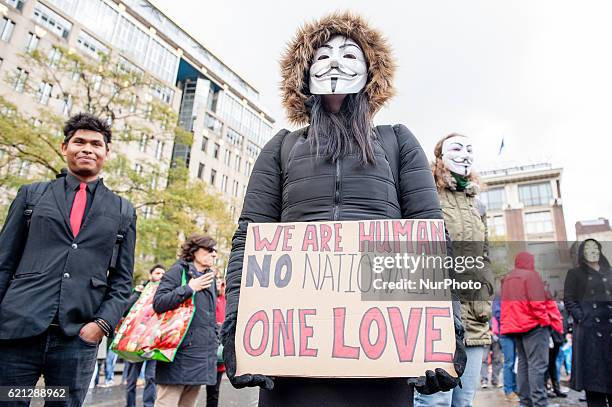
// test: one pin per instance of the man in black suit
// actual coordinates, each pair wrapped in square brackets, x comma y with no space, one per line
[66,266]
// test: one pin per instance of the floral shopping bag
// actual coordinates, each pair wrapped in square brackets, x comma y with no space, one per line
[146,335]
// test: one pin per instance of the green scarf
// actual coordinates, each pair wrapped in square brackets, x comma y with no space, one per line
[461,181]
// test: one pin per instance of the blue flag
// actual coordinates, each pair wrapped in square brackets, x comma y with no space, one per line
[501,147]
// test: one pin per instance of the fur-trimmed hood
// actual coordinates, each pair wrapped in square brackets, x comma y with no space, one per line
[295,62]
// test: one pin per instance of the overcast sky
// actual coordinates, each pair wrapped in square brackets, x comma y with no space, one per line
[536,72]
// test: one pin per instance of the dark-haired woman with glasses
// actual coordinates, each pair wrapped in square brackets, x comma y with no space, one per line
[195,363]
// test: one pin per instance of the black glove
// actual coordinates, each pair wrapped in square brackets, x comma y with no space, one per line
[247,380]
[434,382]
[440,380]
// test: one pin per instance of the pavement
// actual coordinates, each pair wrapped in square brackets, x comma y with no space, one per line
[114,396]
[229,397]
[494,397]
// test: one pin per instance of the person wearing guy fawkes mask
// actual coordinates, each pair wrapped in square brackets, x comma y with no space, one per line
[337,73]
[588,298]
[465,219]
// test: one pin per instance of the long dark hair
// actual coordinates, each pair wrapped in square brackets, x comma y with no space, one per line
[344,132]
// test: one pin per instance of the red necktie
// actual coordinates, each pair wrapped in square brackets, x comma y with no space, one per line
[78,209]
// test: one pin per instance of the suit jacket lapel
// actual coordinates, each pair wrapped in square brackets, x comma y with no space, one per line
[59,192]
[96,204]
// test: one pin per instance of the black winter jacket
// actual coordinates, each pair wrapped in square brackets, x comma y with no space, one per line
[314,189]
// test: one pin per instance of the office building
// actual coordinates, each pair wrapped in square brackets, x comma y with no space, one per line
[221,109]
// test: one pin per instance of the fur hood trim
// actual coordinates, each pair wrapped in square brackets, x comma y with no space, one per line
[295,62]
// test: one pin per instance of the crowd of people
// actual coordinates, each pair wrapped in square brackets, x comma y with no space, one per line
[67,256]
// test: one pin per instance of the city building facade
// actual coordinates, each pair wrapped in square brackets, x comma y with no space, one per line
[524,203]
[525,212]
[219,107]
[598,229]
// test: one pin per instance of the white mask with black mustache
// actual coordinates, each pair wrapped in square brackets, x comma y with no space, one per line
[338,67]
[457,155]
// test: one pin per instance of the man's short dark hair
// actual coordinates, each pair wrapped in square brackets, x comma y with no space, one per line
[157,266]
[86,121]
[195,242]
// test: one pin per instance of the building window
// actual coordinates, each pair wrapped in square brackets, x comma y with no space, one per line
[32,42]
[18,4]
[144,140]
[55,55]
[247,168]
[201,168]
[6,29]
[98,16]
[493,199]
[67,104]
[148,111]
[224,183]
[126,66]
[497,225]
[237,162]
[24,167]
[21,78]
[91,46]
[96,80]
[58,25]
[153,181]
[163,93]
[133,102]
[227,157]
[233,137]
[244,189]
[535,194]
[231,111]
[159,149]
[235,188]
[131,40]
[76,71]
[213,175]
[44,92]
[265,133]
[204,143]
[161,61]
[216,150]
[212,123]
[252,149]
[538,222]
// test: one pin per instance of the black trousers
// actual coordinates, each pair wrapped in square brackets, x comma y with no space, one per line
[595,399]
[552,363]
[212,392]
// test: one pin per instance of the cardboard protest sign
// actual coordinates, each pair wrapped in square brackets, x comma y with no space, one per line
[315,303]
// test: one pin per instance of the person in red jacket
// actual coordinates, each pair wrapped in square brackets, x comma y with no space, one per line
[528,313]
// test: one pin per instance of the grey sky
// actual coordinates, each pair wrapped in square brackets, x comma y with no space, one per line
[537,73]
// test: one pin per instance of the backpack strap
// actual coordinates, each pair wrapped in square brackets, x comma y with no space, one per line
[287,144]
[33,193]
[124,224]
[388,141]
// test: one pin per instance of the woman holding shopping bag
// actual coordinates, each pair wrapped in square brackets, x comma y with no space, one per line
[195,362]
